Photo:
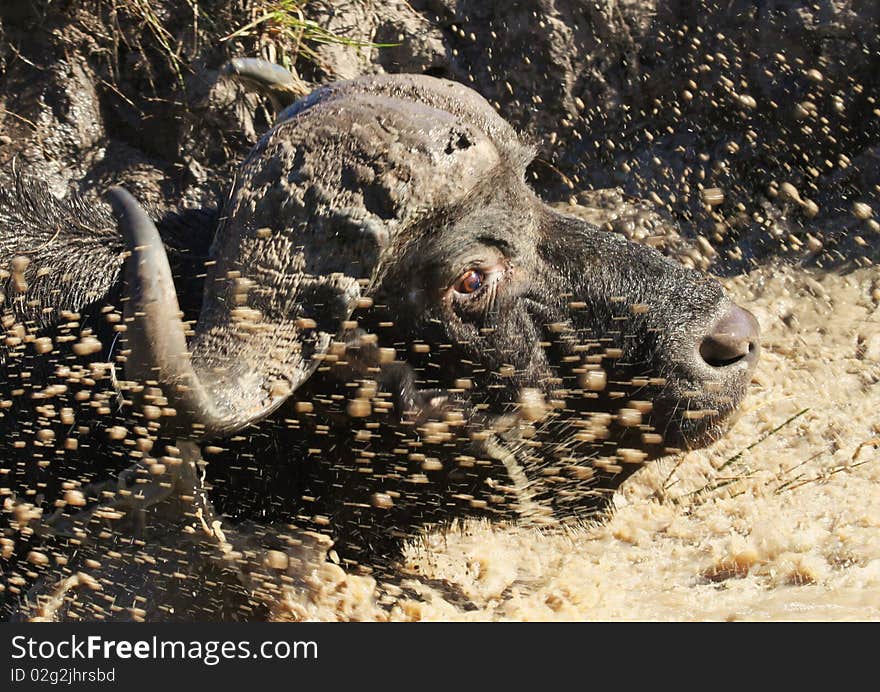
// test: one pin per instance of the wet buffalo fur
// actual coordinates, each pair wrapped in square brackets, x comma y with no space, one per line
[528,392]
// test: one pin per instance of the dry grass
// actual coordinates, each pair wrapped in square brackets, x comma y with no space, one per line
[285,33]
[277,30]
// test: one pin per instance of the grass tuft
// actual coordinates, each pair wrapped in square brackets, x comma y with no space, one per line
[718,482]
[285,24]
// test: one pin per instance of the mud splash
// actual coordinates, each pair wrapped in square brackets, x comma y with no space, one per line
[775,521]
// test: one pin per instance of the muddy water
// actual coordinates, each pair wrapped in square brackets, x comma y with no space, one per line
[762,525]
[777,521]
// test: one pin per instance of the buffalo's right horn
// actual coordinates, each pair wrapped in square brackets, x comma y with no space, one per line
[323,201]
[157,342]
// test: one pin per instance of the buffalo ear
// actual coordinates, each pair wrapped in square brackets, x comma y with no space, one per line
[74,238]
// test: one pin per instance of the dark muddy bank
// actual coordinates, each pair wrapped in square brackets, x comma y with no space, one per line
[754,126]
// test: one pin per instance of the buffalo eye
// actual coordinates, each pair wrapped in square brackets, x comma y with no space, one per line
[470,282]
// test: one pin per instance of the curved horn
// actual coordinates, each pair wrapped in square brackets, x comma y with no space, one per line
[274,81]
[156,335]
[321,203]
[455,99]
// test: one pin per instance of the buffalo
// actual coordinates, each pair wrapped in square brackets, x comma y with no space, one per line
[380,326]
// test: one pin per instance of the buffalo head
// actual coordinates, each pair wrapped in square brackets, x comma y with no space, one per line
[382,236]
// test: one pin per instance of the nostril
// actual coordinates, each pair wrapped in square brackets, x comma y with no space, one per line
[733,338]
[720,352]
